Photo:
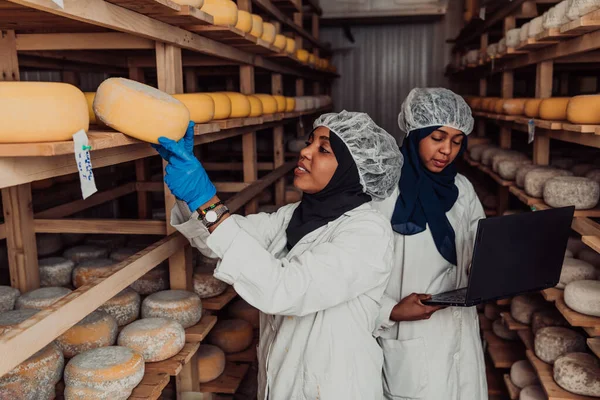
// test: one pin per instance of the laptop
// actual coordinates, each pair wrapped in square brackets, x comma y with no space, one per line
[513,254]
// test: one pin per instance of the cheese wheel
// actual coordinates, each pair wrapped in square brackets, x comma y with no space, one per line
[153,281]
[584,109]
[523,306]
[476,151]
[257,26]
[240,309]
[281,104]
[487,154]
[48,244]
[109,242]
[524,34]
[89,98]
[556,16]
[39,299]
[514,106]
[98,329]
[491,311]
[582,169]
[269,33]
[290,45]
[555,341]
[578,373]
[311,59]
[36,377]
[211,363]
[279,42]
[590,256]
[532,108]
[224,12]
[583,296]
[513,37]
[575,270]
[533,392]
[563,162]
[123,253]
[499,106]
[179,305]
[507,169]
[201,106]
[302,55]
[502,331]
[107,373]
[156,339]
[193,3]
[547,317]
[522,374]
[10,319]
[72,239]
[206,285]
[536,179]
[256,109]
[240,105]
[8,297]
[61,111]
[84,252]
[222,105]
[562,191]
[578,8]
[88,270]
[536,26]
[506,155]
[55,271]
[554,109]
[290,104]
[124,307]
[301,104]
[268,102]
[575,245]
[140,111]
[244,21]
[231,335]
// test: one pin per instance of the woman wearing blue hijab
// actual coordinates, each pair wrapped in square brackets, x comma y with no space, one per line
[431,353]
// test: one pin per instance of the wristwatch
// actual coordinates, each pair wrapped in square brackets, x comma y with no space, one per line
[212,214]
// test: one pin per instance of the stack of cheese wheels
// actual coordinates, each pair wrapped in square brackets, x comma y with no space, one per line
[8,297]
[578,373]
[257,26]
[507,169]
[206,285]
[555,341]
[140,111]
[489,153]
[269,32]
[256,109]
[554,108]
[584,110]
[39,299]
[222,105]
[290,104]
[231,335]
[89,98]
[514,106]
[55,271]
[201,106]
[506,155]
[156,339]
[61,111]
[179,305]
[502,331]
[48,244]
[302,55]
[153,281]
[575,270]
[211,363]
[582,169]
[240,309]
[88,270]
[109,242]
[590,256]
[36,377]
[279,42]
[583,296]
[124,307]
[290,45]
[532,392]
[98,329]
[78,254]
[562,191]
[536,179]
[224,12]
[547,317]
[523,306]
[532,108]
[522,374]
[240,105]
[244,21]
[105,373]
[491,311]
[280,103]
[10,319]
[269,104]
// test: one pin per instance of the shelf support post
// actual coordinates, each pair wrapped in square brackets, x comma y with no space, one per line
[543,90]
[278,143]
[250,165]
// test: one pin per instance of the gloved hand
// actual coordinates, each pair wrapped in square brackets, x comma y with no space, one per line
[184,175]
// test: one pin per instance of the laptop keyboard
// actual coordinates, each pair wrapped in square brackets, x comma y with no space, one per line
[456,296]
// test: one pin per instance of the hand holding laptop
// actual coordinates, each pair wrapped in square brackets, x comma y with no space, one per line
[411,308]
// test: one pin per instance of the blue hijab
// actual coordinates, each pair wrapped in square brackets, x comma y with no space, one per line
[426,197]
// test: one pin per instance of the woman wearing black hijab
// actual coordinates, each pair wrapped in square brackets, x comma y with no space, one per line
[316,269]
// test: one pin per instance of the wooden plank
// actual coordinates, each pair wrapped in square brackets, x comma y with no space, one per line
[144,201]
[247,356]
[504,302]
[278,143]
[513,391]
[526,337]
[576,319]
[9,64]
[151,386]
[586,23]
[198,332]
[585,227]
[533,44]
[511,323]
[173,366]
[218,302]
[551,294]
[2,231]
[167,11]
[121,226]
[229,381]
[495,176]
[250,171]
[230,187]
[527,200]
[553,35]
[584,139]
[592,241]
[81,41]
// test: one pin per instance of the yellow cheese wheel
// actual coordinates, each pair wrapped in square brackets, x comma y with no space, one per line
[499,106]
[290,104]
[179,305]
[89,97]
[256,109]
[106,373]
[88,270]
[224,12]
[244,21]
[153,281]
[532,108]
[222,105]
[279,42]
[514,106]
[268,34]
[140,111]
[257,26]
[240,105]
[60,111]
[39,299]
[201,106]
[290,45]
[98,329]
[311,59]
[211,362]
[124,307]
[554,108]
[156,339]
[231,335]
[584,110]
[280,103]
[240,309]
[268,102]
[302,55]
[476,103]
[193,3]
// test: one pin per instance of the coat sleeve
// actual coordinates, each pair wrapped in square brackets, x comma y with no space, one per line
[356,260]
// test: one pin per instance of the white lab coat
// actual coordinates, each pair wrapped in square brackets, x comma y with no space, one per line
[320,302]
[440,358]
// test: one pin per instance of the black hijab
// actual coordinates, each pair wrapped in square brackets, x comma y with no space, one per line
[342,194]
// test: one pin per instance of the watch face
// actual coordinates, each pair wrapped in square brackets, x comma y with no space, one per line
[211,216]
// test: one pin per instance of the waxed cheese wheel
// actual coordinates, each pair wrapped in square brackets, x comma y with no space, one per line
[514,106]
[39,299]
[156,339]
[211,362]
[109,373]
[582,169]
[256,109]
[532,392]
[257,26]
[153,281]
[98,329]
[290,104]
[201,106]
[140,111]
[224,12]
[554,108]
[231,335]
[507,169]
[584,110]
[88,270]
[206,285]
[269,32]
[123,253]
[590,256]
[10,319]
[523,306]
[60,111]
[244,21]
[499,106]
[575,270]
[578,373]
[302,55]
[522,374]
[506,155]
[547,317]
[280,103]
[476,151]
[89,98]
[222,105]
[269,103]
[240,105]
[532,108]
[575,191]
[78,254]
[279,42]
[487,154]
[35,378]
[502,331]
[48,244]
[536,179]
[240,309]
[290,45]
[124,307]
[555,341]
[8,297]
[179,305]
[55,271]
[583,296]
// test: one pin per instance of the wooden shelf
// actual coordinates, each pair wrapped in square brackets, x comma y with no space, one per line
[504,302]
[533,44]
[151,387]
[234,37]
[167,11]
[495,176]
[511,323]
[592,241]
[218,302]
[592,324]
[173,366]
[198,332]
[247,356]
[505,356]
[228,382]
[526,199]
[580,128]
[526,337]
[513,391]
[553,35]
[587,23]
[551,294]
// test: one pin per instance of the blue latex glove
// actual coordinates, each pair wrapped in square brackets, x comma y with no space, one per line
[184,175]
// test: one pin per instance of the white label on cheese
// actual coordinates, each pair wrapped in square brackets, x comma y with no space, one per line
[531,131]
[60,3]
[84,164]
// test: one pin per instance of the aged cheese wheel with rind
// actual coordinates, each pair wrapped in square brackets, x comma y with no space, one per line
[8,297]
[552,342]
[98,329]
[55,271]
[578,373]
[179,305]
[41,298]
[156,339]
[575,270]
[563,191]
[584,297]
[522,374]
[523,306]
[124,307]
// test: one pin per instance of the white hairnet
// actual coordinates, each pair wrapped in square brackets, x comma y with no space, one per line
[374,151]
[425,107]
